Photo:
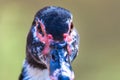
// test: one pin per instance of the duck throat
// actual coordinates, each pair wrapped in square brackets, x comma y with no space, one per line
[33,73]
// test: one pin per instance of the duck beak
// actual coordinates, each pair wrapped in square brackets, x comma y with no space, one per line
[60,66]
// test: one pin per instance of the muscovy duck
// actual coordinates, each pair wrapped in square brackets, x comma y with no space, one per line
[52,44]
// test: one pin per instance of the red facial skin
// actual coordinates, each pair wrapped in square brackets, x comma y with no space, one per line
[68,38]
[46,39]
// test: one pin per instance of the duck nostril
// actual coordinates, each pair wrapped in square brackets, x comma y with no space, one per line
[53,57]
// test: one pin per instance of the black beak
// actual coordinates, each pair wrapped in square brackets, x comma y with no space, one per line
[60,67]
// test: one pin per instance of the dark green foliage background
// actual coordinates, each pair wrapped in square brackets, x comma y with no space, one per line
[97,21]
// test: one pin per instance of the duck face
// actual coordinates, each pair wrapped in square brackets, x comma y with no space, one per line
[52,42]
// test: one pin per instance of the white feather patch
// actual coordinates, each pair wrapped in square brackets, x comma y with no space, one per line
[36,73]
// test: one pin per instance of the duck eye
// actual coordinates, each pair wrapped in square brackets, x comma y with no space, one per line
[71,27]
[39,29]
[53,57]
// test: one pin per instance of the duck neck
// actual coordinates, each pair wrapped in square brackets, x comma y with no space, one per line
[30,72]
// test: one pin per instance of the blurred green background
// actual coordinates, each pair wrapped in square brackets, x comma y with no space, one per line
[97,21]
